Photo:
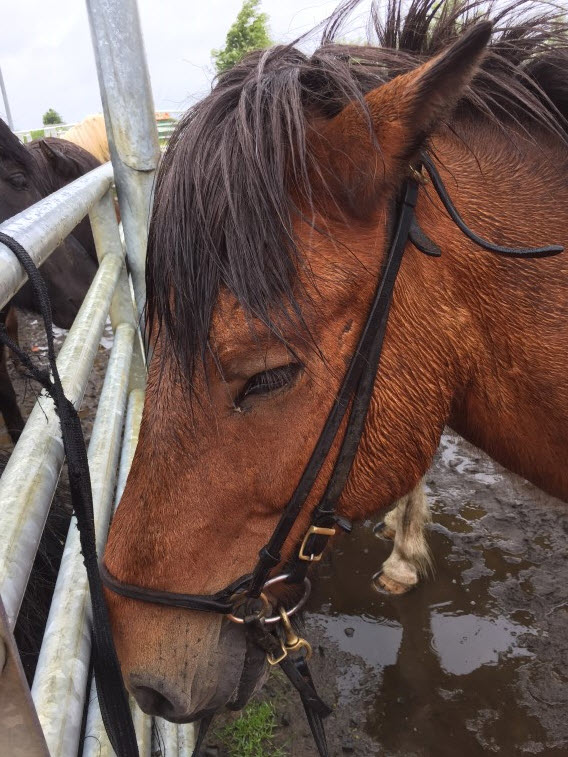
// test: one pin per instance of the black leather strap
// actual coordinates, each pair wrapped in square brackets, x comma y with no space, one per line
[512,252]
[369,346]
[220,602]
[298,673]
[313,715]
[423,242]
[113,699]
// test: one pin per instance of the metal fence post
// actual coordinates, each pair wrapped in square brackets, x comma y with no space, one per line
[130,120]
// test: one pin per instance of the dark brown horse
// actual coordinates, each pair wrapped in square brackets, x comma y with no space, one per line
[27,174]
[273,211]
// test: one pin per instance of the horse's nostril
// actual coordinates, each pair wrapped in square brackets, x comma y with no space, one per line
[154,702]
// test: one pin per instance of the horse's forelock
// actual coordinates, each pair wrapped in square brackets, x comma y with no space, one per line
[224,210]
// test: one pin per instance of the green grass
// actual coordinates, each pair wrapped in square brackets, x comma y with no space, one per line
[37,133]
[252,733]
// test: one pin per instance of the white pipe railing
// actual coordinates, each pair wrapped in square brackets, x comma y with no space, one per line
[61,678]
[31,475]
[43,226]
[128,107]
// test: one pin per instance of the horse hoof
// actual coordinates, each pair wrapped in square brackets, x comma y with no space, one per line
[386,585]
[384,532]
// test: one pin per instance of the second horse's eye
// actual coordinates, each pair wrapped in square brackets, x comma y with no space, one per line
[18,180]
[269,381]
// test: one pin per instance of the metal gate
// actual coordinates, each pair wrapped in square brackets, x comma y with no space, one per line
[48,720]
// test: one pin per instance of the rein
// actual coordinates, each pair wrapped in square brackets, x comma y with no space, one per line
[245,601]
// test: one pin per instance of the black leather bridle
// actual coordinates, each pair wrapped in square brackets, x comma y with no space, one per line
[356,390]
[244,601]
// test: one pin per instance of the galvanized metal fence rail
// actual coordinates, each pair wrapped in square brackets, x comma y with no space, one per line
[49,721]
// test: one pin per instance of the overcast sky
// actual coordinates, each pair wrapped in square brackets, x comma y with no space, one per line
[47,59]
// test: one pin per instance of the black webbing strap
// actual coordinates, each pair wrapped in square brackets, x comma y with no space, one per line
[358,381]
[113,699]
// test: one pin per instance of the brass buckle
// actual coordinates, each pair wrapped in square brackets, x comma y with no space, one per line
[276,660]
[417,175]
[293,642]
[319,530]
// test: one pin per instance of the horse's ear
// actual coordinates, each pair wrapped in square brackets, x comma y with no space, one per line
[404,112]
[63,165]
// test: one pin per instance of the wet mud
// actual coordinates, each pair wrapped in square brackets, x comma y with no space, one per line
[474,661]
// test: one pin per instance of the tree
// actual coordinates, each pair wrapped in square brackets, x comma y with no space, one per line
[249,32]
[51,117]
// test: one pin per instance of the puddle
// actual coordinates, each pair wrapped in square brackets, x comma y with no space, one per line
[380,640]
[464,643]
[459,665]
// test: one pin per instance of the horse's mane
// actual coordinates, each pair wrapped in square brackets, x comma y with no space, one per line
[91,135]
[223,213]
[12,149]
[46,179]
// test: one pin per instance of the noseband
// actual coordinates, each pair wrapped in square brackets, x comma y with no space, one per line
[246,595]
[245,601]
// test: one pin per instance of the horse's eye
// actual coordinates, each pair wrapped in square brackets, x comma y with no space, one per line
[269,381]
[18,180]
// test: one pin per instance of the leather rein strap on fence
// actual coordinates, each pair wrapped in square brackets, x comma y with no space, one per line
[356,390]
[113,699]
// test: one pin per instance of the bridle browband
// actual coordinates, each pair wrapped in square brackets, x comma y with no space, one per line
[356,390]
[244,601]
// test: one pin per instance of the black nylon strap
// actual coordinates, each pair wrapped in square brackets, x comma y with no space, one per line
[113,700]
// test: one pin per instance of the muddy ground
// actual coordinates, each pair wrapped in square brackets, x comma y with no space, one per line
[474,661]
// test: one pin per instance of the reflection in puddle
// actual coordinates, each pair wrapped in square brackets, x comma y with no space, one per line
[381,641]
[465,642]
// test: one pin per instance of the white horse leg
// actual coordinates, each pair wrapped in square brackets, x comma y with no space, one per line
[410,558]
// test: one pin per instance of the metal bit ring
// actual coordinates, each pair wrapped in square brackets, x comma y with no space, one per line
[297,607]
[240,600]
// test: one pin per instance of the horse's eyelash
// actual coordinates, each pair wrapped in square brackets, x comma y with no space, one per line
[268,381]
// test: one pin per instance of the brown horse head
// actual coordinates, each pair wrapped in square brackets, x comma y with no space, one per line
[273,211]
